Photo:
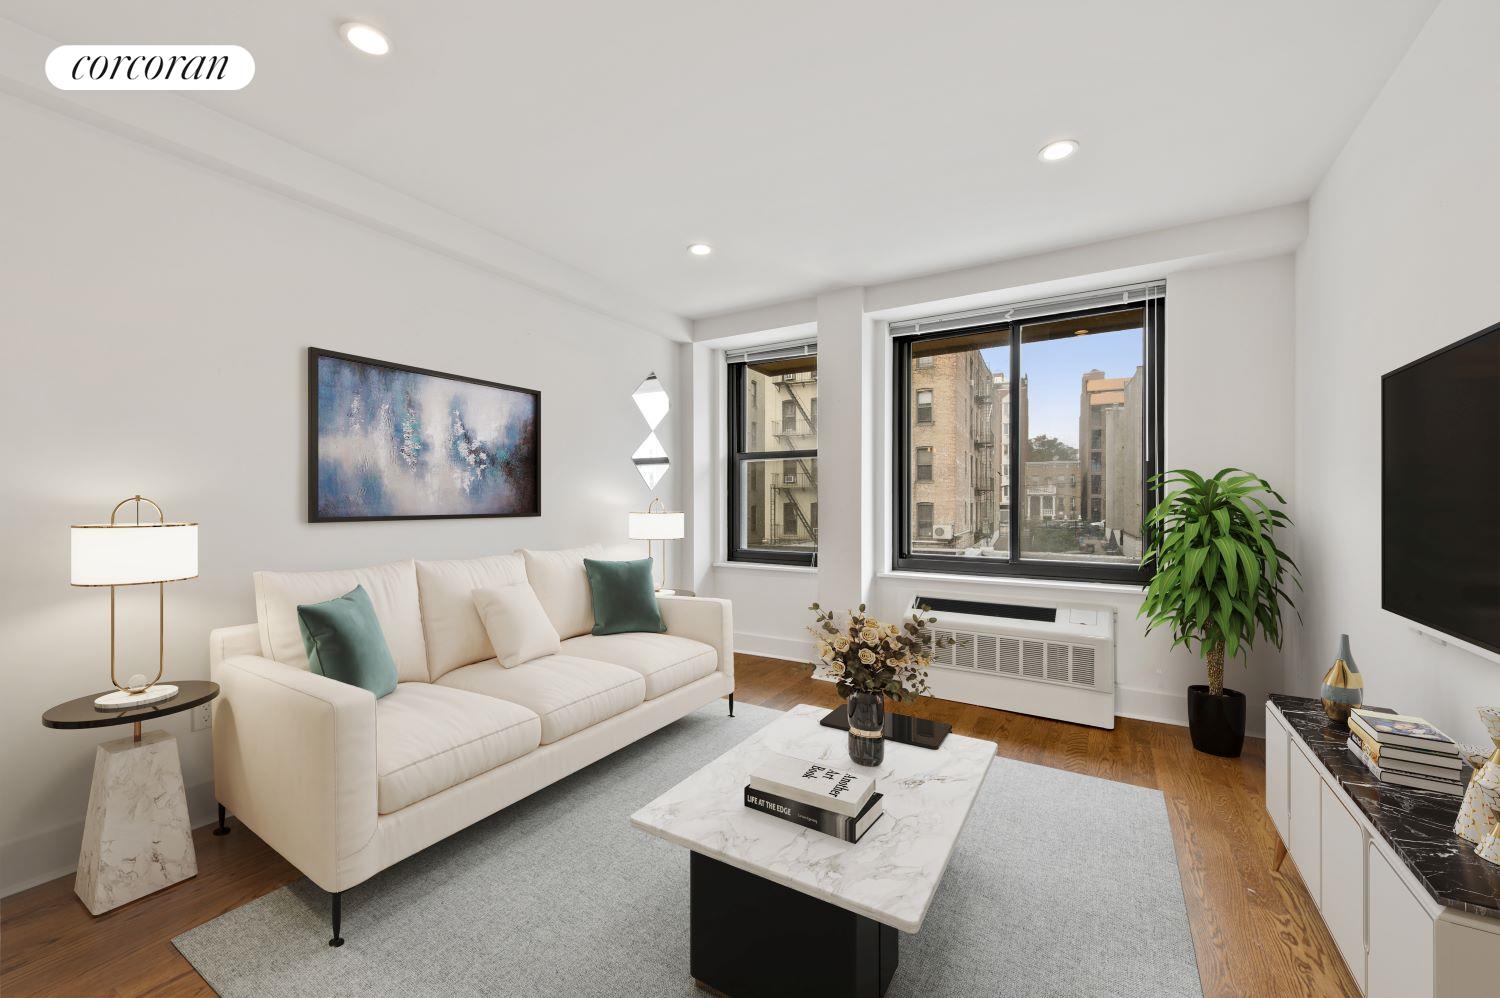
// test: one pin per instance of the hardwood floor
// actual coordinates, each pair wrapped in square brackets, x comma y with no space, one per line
[1255,929]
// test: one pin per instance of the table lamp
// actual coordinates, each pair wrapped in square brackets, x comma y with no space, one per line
[117,554]
[657,525]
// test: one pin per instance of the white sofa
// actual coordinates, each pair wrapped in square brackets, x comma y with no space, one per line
[344,785]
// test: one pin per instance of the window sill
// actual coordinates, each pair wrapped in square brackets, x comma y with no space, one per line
[1019,582]
[761,566]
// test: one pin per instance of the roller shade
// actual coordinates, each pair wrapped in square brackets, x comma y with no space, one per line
[1132,294]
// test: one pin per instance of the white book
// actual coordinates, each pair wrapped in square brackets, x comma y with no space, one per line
[813,783]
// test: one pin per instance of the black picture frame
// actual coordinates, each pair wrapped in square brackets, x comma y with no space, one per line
[315,354]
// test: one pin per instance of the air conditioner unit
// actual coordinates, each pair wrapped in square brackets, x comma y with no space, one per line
[943,533]
[1052,661]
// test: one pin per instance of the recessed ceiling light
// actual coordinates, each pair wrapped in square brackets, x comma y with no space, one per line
[1054,151]
[700,249]
[368,40]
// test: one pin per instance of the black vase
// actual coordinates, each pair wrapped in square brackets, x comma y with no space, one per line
[867,728]
[1217,724]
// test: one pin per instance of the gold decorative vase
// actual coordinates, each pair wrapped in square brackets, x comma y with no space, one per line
[1343,686]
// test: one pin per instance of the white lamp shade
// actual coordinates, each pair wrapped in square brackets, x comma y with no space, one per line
[651,398]
[657,526]
[134,554]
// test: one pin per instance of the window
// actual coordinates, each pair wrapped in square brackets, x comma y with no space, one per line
[924,464]
[789,518]
[924,519]
[1062,401]
[773,477]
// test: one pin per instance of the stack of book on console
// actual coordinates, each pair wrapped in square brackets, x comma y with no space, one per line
[812,795]
[1406,751]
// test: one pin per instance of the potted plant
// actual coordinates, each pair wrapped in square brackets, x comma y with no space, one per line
[872,661]
[1219,580]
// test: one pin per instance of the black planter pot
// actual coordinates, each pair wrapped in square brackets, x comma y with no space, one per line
[1217,723]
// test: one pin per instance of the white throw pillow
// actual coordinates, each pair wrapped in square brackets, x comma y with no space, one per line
[562,586]
[516,623]
[455,634]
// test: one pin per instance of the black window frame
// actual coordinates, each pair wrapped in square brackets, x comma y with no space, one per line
[1013,565]
[739,457]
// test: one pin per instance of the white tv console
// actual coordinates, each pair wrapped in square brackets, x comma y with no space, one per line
[1432,931]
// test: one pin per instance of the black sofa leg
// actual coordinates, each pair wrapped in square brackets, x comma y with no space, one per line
[338,912]
[731,705]
[223,829]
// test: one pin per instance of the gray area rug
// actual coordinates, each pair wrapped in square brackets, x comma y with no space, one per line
[1061,885]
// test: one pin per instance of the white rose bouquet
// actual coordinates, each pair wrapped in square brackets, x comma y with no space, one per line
[867,656]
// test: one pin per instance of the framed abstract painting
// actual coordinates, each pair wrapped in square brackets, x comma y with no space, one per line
[391,442]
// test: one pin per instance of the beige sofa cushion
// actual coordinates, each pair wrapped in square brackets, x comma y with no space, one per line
[516,623]
[429,738]
[665,661]
[454,633]
[569,694]
[563,587]
[392,590]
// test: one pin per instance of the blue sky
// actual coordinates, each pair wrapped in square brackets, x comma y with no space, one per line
[1054,369]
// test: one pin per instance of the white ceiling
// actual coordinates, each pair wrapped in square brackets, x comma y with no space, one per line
[816,143]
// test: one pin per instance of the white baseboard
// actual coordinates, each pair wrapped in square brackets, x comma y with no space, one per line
[790,649]
[1171,708]
[47,855]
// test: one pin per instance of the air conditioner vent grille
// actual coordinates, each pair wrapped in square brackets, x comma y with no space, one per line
[1020,657]
[963,652]
[1009,655]
[984,652]
[943,656]
[1057,662]
[1031,659]
[1083,665]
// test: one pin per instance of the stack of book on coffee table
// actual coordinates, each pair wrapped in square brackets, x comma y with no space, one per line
[810,794]
[1406,751]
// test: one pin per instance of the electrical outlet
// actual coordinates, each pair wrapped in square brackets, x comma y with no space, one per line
[203,717]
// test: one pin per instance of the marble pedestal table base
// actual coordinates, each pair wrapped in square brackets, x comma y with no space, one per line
[136,837]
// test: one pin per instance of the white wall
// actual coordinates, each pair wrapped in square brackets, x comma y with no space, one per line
[1401,258]
[156,321]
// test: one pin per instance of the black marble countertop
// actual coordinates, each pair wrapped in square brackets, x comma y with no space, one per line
[1417,824]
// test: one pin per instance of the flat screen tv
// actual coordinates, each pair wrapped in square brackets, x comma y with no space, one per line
[1440,491]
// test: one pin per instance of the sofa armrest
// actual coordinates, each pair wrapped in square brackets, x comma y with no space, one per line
[703,619]
[294,759]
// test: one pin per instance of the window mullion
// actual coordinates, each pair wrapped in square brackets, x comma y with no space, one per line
[1017,483]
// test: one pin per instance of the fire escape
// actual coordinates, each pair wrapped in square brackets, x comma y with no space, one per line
[984,454]
[786,432]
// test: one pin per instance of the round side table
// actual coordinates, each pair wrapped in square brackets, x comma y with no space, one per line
[136,835]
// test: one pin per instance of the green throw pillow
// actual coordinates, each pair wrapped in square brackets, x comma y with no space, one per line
[624,596]
[344,642]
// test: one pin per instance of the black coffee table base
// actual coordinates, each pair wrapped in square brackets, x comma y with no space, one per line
[752,938]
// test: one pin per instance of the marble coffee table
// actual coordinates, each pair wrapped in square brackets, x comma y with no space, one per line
[778,909]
